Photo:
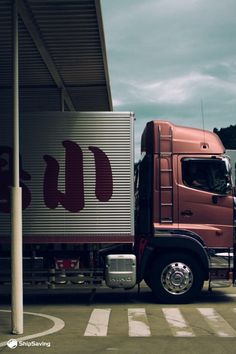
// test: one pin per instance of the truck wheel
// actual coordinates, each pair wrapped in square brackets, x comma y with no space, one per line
[176,278]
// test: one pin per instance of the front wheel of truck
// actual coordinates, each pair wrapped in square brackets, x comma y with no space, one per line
[176,278]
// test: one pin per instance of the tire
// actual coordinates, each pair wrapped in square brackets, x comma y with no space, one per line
[176,278]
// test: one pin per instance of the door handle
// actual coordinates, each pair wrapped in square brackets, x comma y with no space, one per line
[187,212]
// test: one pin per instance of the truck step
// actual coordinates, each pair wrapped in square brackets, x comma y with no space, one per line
[164,221]
[165,136]
[165,153]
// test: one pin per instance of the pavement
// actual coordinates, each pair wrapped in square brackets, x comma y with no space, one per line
[38,326]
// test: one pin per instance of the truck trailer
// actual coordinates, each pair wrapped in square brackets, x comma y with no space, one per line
[93,217]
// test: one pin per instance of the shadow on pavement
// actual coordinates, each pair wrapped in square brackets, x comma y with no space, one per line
[106,296]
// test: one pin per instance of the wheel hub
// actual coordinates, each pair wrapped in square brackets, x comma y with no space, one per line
[177,278]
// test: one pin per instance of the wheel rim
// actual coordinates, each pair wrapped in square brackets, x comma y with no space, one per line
[177,278]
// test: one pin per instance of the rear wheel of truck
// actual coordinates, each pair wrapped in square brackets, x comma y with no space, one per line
[176,278]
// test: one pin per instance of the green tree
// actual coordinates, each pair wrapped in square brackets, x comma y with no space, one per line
[227,136]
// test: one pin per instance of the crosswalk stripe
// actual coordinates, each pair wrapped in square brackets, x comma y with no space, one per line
[138,323]
[179,327]
[98,323]
[217,323]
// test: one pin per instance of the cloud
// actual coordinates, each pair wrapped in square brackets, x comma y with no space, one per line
[175,91]
[165,56]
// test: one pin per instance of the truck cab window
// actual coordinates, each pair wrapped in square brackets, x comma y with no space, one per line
[206,174]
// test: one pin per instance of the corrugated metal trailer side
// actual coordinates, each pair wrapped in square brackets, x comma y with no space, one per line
[76,176]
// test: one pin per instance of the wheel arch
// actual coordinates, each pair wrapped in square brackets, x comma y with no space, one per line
[172,244]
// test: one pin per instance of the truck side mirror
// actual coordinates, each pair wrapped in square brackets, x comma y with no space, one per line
[222,189]
[223,193]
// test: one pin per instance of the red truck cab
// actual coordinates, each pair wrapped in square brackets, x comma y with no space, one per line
[184,210]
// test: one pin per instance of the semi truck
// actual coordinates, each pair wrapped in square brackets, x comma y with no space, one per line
[93,217]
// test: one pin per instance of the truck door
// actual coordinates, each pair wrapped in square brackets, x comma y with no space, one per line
[206,199]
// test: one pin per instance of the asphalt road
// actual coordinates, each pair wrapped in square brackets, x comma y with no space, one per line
[122,322]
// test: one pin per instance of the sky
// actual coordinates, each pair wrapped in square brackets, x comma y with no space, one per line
[165,57]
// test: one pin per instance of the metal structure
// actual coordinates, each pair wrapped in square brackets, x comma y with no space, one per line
[52,57]
[62,56]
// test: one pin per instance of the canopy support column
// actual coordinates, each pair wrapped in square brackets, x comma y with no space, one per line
[16,203]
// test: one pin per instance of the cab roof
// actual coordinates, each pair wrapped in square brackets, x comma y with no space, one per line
[163,136]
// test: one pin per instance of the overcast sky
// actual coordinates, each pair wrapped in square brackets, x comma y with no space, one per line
[165,56]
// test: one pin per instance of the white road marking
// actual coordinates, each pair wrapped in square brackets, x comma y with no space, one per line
[217,323]
[138,323]
[179,327]
[58,325]
[219,294]
[98,323]
[227,295]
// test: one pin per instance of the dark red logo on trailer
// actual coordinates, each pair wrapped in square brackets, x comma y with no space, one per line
[72,198]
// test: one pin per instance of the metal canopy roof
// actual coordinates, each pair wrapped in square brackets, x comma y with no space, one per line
[62,56]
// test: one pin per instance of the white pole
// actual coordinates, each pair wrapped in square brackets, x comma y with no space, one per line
[16,204]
